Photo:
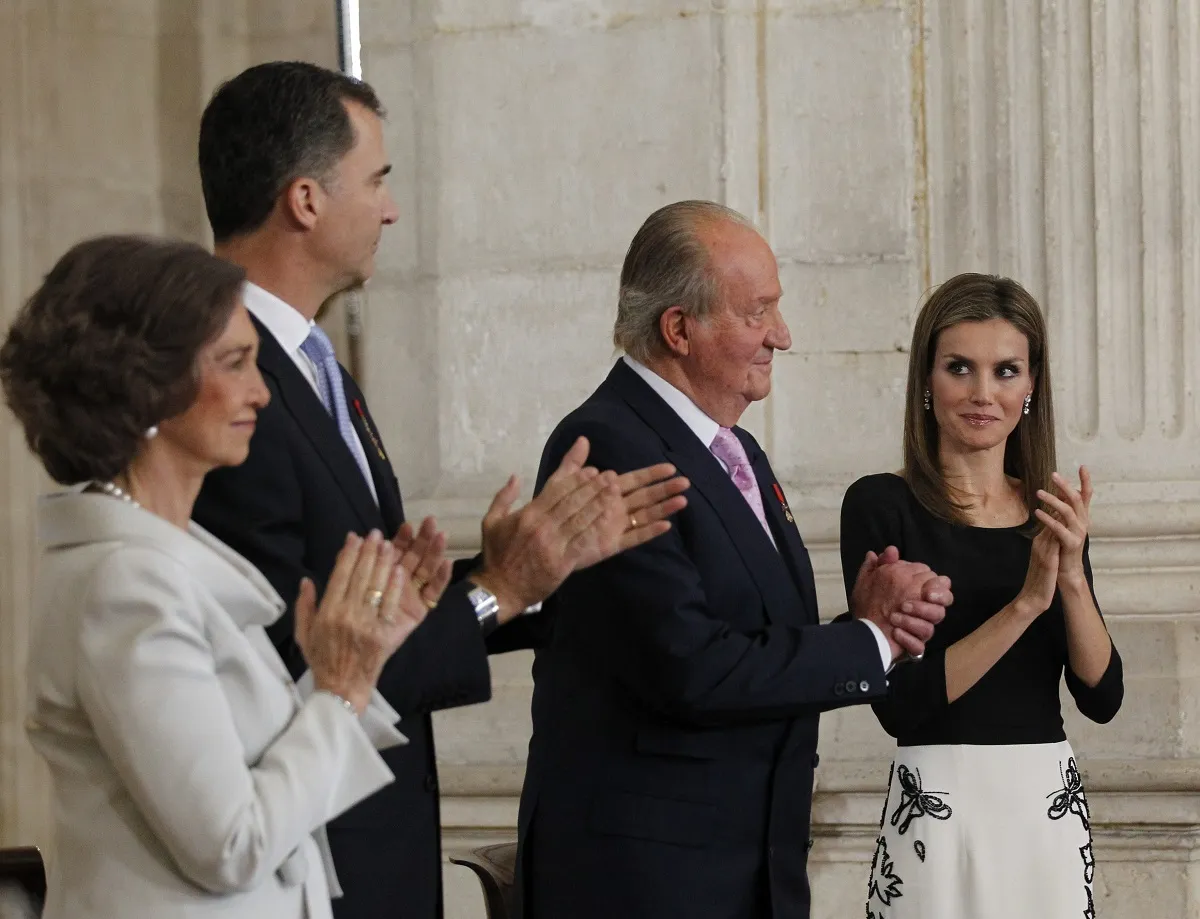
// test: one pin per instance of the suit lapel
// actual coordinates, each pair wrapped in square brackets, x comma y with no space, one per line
[390,504]
[693,459]
[783,525]
[303,404]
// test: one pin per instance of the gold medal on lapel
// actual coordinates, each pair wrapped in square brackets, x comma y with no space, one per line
[370,430]
[787,511]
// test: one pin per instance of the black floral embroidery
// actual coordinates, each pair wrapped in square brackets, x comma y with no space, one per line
[886,796]
[885,883]
[1070,798]
[919,848]
[880,845]
[916,802]
[1089,862]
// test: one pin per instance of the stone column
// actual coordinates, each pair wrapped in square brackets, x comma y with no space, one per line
[24,793]
[78,157]
[531,138]
[882,146]
[98,121]
[1058,137]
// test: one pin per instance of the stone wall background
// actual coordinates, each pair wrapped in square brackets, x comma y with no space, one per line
[882,145]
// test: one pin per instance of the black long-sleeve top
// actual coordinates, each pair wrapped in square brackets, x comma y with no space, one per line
[1017,700]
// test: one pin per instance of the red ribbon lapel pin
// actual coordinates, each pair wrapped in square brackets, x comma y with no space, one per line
[787,511]
[362,416]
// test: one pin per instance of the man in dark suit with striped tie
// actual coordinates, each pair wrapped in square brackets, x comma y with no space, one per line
[675,710]
[294,172]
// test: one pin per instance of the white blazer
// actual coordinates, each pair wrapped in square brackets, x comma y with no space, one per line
[191,779]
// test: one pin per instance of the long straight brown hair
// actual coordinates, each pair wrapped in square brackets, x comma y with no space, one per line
[1029,454]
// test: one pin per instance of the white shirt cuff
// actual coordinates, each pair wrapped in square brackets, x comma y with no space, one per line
[885,652]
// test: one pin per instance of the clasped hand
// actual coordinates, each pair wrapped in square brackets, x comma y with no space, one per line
[904,599]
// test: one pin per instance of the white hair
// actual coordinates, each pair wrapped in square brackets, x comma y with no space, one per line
[667,265]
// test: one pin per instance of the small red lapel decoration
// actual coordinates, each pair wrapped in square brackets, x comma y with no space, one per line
[371,431]
[787,511]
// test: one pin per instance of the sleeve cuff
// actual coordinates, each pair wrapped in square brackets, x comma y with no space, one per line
[379,720]
[1101,702]
[885,652]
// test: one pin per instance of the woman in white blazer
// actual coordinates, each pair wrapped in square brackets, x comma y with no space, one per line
[192,779]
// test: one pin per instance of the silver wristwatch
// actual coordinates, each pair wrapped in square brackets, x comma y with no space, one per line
[487,607]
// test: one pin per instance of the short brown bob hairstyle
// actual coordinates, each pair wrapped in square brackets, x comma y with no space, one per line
[108,347]
[1029,454]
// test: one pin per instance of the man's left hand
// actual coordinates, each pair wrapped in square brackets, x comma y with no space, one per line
[581,517]
[646,498]
[422,555]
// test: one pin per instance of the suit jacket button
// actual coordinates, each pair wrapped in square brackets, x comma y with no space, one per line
[431,782]
[864,686]
[839,689]
[851,686]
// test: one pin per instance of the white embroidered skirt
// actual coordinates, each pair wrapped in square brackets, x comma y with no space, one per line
[983,832]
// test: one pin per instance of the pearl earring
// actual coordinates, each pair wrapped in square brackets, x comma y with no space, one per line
[928,402]
[1028,399]
[152,432]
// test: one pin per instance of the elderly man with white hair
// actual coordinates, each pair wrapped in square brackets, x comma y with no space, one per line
[675,711]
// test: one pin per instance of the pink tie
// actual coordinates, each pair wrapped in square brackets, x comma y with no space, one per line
[729,450]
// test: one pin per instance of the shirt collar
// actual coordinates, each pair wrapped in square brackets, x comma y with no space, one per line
[691,414]
[282,320]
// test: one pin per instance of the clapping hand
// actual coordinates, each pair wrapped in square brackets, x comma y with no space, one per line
[422,555]
[646,498]
[360,621]
[1068,519]
[580,517]
[1041,577]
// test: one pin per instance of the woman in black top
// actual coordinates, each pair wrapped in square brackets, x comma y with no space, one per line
[985,815]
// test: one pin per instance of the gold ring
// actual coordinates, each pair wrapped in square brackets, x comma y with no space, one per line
[419,584]
[374,598]
[429,604]
[633,524]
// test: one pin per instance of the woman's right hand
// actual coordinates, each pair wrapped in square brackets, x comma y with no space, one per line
[359,623]
[1041,577]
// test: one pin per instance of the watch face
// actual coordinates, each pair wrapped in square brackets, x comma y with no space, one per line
[484,601]
[479,595]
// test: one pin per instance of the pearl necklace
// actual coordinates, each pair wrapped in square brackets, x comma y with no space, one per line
[115,491]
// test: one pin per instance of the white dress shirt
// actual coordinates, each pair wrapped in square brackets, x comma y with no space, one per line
[706,429]
[290,329]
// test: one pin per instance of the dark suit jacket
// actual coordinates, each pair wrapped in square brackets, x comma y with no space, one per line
[288,509]
[675,710]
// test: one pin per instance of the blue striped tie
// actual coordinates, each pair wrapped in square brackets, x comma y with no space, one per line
[329,382]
